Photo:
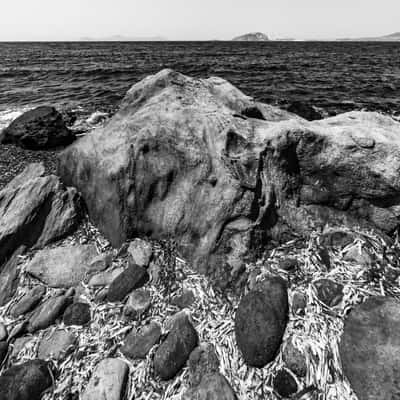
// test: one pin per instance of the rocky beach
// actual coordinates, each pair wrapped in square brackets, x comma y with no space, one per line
[199,244]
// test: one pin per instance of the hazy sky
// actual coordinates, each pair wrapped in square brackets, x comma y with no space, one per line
[196,19]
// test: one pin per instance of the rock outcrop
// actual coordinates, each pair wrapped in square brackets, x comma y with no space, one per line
[35,210]
[41,128]
[197,160]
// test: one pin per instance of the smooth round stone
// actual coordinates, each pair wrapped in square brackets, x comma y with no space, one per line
[77,314]
[329,292]
[139,301]
[284,383]
[294,359]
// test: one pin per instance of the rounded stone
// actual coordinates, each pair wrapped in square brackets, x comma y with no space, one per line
[329,292]
[284,383]
[77,314]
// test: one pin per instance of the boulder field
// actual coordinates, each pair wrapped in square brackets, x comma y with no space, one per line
[199,161]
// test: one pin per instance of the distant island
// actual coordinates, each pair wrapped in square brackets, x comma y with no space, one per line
[252,37]
[394,37]
[120,38]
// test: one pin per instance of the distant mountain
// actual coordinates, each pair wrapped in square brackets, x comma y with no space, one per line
[252,37]
[120,38]
[394,37]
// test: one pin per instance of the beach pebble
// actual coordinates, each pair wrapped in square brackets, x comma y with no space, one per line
[173,353]
[77,314]
[183,300]
[324,256]
[3,332]
[284,383]
[299,303]
[139,301]
[138,344]
[329,292]
[130,279]
[336,238]
[25,381]
[358,255]
[203,360]
[260,321]
[101,262]
[294,359]
[104,278]
[28,302]
[141,252]
[288,264]
[18,330]
[3,351]
[56,344]
[108,381]
[19,345]
[213,386]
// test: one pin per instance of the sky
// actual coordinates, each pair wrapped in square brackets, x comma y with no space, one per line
[196,19]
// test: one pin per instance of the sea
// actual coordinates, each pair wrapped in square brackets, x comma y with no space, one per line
[87,80]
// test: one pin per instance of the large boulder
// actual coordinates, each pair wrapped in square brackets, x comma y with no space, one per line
[35,210]
[197,160]
[40,128]
[370,349]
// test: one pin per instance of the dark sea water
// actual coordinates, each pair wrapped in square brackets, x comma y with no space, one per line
[93,77]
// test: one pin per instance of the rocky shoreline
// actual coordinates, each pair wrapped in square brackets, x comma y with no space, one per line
[212,266]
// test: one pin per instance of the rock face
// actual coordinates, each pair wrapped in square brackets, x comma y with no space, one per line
[108,381]
[41,128]
[197,160]
[370,349]
[173,353]
[252,37]
[260,322]
[26,381]
[35,210]
[63,266]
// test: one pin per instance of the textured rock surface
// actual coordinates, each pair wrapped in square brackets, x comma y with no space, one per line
[329,292]
[107,381]
[141,252]
[294,359]
[63,266]
[133,277]
[138,344]
[186,158]
[284,383]
[260,322]
[26,381]
[139,301]
[35,210]
[184,300]
[173,353]
[370,349]
[203,360]
[213,386]
[56,344]
[28,302]
[77,314]
[105,278]
[40,128]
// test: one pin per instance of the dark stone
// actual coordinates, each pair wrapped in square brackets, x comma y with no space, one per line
[41,128]
[3,351]
[77,314]
[299,303]
[336,238]
[138,344]
[294,359]
[324,256]
[173,353]
[138,303]
[261,320]
[203,360]
[183,300]
[132,278]
[288,264]
[28,302]
[370,349]
[26,381]
[329,292]
[304,110]
[284,383]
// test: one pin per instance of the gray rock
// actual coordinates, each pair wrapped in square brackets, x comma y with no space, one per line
[56,345]
[184,300]
[19,329]
[294,359]
[370,349]
[141,252]
[138,344]
[28,302]
[101,262]
[299,303]
[213,386]
[3,332]
[260,322]
[26,381]
[105,278]
[3,351]
[38,129]
[36,210]
[9,276]
[139,301]
[173,353]
[357,255]
[77,314]
[19,345]
[49,311]
[336,238]
[155,168]
[329,292]
[288,264]
[63,266]
[284,384]
[133,277]
[108,381]
[203,360]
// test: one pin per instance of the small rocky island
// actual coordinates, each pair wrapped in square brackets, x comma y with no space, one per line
[202,245]
[252,37]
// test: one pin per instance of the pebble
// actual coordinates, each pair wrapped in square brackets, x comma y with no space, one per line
[77,314]
[329,292]
[139,301]
[56,345]
[141,252]
[294,359]
[288,264]
[104,278]
[3,332]
[203,360]
[284,383]
[184,300]
[28,302]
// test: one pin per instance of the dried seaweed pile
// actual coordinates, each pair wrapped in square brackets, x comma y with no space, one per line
[316,332]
